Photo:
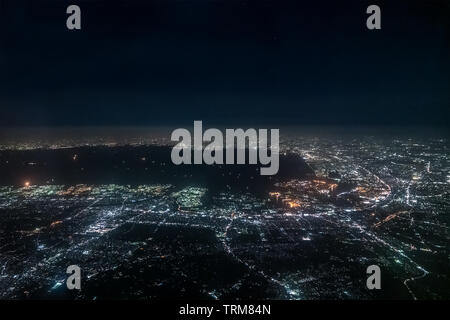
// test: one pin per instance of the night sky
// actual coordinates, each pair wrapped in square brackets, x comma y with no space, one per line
[168,62]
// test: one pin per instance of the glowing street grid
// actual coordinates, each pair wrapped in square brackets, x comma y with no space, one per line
[305,240]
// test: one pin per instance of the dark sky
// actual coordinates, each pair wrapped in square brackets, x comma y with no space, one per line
[224,61]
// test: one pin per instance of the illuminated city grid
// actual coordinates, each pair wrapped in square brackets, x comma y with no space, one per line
[373,201]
